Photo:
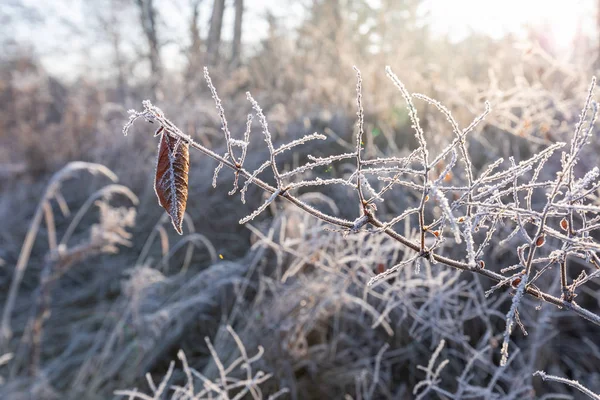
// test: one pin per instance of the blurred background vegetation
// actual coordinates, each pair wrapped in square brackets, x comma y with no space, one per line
[70,70]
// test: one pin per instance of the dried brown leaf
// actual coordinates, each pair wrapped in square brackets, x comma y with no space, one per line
[171,183]
[540,240]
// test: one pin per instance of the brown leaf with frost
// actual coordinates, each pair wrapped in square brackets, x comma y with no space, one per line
[171,183]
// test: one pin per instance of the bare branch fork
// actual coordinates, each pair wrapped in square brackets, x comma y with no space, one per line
[479,205]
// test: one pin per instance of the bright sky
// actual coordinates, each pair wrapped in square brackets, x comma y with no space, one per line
[498,17]
[559,18]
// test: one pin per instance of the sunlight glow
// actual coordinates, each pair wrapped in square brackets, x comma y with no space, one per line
[561,20]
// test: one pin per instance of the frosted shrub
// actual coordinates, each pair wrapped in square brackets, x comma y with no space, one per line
[457,205]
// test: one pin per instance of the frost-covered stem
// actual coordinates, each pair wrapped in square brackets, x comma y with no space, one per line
[511,317]
[268,139]
[567,293]
[5,329]
[359,139]
[262,207]
[246,138]
[495,277]
[422,213]
[221,111]
[577,144]
[569,382]
[40,314]
[302,140]
[412,113]
[152,113]
[459,140]
[566,290]
[19,270]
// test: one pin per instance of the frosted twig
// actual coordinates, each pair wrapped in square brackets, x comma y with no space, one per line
[359,139]
[311,165]
[412,113]
[268,139]
[391,270]
[432,376]
[297,142]
[252,178]
[511,316]
[569,382]
[261,208]
[221,111]
[492,199]
[246,139]
[217,170]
